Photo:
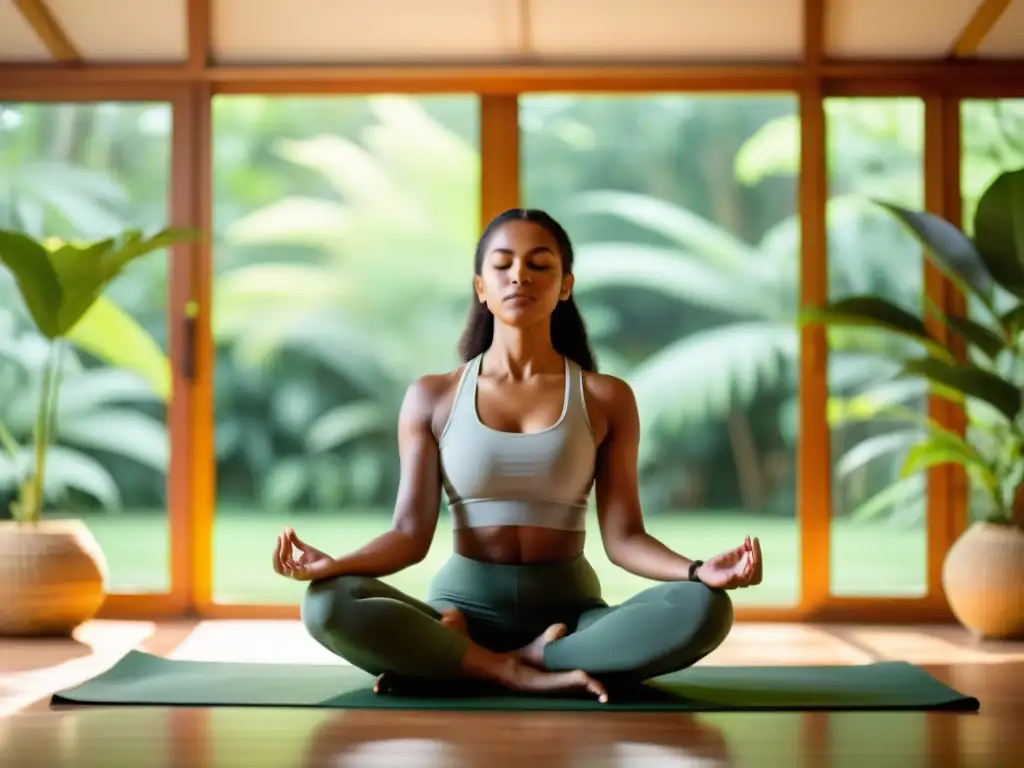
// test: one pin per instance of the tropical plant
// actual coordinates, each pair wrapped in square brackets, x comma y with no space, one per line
[988,267]
[62,285]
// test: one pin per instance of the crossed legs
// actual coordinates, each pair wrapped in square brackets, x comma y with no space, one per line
[383,631]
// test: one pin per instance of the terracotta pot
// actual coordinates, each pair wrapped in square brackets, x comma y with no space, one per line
[983,578]
[52,577]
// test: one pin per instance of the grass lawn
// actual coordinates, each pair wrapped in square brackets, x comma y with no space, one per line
[867,559]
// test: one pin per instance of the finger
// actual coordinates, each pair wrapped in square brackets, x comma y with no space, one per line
[287,558]
[728,559]
[280,559]
[294,539]
[282,552]
[748,571]
[276,559]
[759,562]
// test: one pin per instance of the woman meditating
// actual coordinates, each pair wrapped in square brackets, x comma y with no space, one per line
[518,437]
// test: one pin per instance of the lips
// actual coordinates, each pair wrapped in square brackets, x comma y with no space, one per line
[519,298]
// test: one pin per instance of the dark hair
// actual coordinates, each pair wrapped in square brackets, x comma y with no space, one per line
[568,333]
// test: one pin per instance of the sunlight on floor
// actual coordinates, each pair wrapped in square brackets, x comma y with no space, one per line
[259,642]
[923,647]
[44,665]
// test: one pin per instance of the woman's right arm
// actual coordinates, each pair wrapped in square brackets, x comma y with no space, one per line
[419,492]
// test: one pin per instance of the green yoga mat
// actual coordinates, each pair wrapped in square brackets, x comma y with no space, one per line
[144,679]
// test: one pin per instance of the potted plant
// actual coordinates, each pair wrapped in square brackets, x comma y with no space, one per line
[52,572]
[983,572]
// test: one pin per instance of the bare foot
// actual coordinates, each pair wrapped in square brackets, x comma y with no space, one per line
[533,653]
[453,619]
[525,678]
[382,684]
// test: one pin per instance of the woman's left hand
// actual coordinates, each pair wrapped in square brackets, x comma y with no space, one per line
[734,569]
[311,563]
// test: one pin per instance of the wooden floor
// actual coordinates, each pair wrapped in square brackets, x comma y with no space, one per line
[33,734]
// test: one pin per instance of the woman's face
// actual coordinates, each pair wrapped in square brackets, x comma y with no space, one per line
[521,280]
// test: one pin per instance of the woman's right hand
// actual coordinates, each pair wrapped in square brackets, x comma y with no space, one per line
[310,564]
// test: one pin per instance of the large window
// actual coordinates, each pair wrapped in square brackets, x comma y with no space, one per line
[84,171]
[879,538]
[344,237]
[687,275]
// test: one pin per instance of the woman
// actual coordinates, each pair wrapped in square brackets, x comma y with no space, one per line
[518,437]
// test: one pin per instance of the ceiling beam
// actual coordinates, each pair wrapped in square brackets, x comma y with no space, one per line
[815,13]
[199,21]
[48,30]
[976,30]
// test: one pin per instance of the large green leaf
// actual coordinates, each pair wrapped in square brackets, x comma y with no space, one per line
[85,271]
[276,294]
[122,432]
[999,230]
[114,336]
[977,335]
[349,422]
[949,249]
[875,312]
[906,490]
[294,220]
[102,386]
[885,399]
[936,452]
[38,282]
[673,273]
[66,469]
[706,374]
[970,381]
[692,232]
[82,392]
[773,150]
[876,446]
[1013,320]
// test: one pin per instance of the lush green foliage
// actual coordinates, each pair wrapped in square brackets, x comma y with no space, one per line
[988,267]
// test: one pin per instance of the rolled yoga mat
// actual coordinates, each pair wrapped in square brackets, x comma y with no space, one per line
[143,679]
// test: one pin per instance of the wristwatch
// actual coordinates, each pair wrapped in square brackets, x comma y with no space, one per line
[694,567]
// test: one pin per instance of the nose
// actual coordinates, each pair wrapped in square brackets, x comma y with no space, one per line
[520,275]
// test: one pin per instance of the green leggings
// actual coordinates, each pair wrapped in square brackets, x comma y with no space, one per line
[380,629]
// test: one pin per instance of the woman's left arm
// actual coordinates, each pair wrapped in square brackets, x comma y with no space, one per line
[626,541]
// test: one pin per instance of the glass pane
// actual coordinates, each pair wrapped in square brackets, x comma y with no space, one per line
[992,142]
[345,229]
[87,171]
[879,533]
[683,210]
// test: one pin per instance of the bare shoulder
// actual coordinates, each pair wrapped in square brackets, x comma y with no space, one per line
[607,389]
[428,398]
[610,400]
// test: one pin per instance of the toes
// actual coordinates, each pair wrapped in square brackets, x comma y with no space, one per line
[592,685]
[555,631]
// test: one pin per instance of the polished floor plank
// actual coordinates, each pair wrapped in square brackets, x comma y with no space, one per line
[34,734]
